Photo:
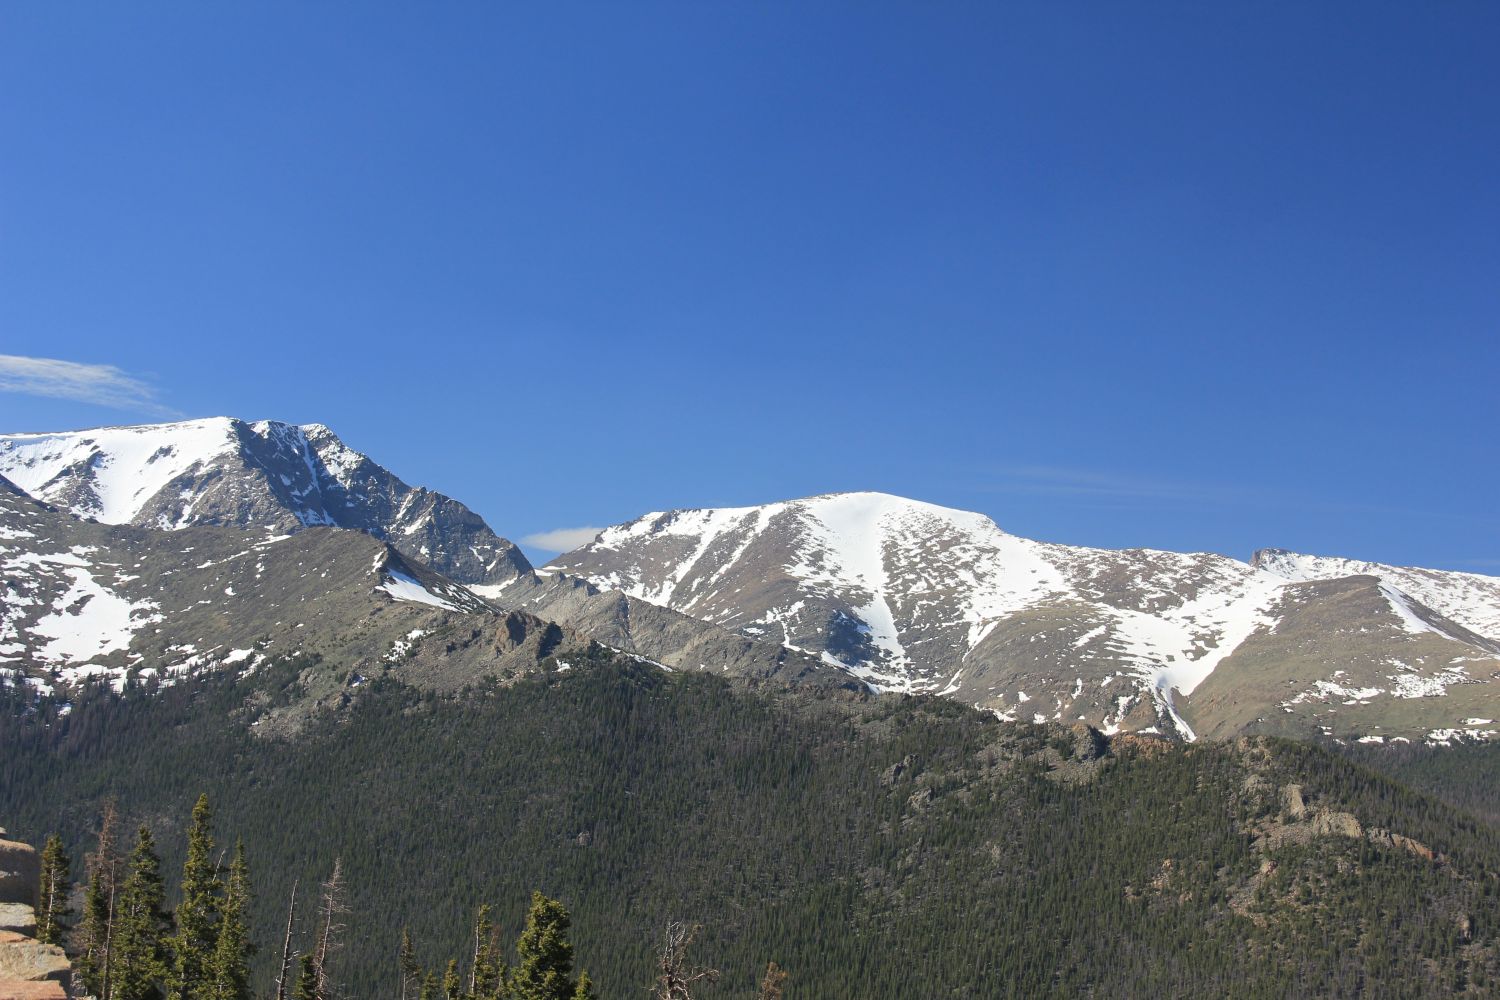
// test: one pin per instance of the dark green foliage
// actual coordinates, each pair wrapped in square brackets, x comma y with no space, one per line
[989,864]
[53,914]
[585,989]
[139,961]
[408,966]
[307,980]
[1466,776]
[544,955]
[196,916]
[228,969]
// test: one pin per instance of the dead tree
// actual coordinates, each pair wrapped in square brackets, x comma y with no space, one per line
[770,987]
[331,906]
[675,977]
[286,946]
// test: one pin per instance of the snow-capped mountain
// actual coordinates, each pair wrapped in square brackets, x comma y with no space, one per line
[83,601]
[915,597]
[265,475]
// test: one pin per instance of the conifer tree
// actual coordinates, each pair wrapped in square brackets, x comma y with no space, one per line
[411,971]
[429,987]
[452,985]
[307,979]
[487,969]
[544,969]
[585,989]
[228,969]
[138,955]
[96,930]
[52,910]
[197,914]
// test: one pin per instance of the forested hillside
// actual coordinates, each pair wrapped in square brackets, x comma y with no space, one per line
[873,847]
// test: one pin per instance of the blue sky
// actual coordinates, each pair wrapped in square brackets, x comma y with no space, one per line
[1194,276]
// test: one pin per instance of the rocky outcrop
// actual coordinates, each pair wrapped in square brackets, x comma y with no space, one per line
[20,871]
[29,970]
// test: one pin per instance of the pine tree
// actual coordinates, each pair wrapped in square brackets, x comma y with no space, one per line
[429,987]
[411,971]
[452,985]
[52,911]
[487,969]
[140,927]
[307,979]
[96,930]
[197,914]
[228,969]
[585,989]
[544,969]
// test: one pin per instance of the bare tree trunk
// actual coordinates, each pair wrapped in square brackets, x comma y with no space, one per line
[474,959]
[331,906]
[675,979]
[286,945]
[109,937]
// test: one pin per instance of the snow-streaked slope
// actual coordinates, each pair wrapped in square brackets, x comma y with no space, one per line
[1471,599]
[111,474]
[267,475]
[905,593]
[916,597]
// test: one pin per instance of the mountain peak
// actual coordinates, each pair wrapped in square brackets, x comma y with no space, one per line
[267,475]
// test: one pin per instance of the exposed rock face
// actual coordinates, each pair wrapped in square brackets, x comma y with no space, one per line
[85,601]
[659,634]
[268,476]
[29,970]
[20,871]
[19,918]
[31,961]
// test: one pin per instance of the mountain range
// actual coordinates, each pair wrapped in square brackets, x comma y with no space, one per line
[153,551]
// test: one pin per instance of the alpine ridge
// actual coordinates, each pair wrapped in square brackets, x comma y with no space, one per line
[915,597]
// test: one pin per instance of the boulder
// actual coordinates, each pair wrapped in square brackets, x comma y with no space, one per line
[18,917]
[20,872]
[47,989]
[32,961]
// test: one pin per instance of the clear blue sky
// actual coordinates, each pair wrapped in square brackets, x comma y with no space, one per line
[1194,276]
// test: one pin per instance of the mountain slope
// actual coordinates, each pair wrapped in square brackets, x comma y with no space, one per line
[266,475]
[86,601]
[875,847]
[659,634]
[916,597]
[1472,599]
[116,603]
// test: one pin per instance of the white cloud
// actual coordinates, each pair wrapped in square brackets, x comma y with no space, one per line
[561,539]
[105,385]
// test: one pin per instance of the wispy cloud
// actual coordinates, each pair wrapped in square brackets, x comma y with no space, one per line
[561,539]
[105,385]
